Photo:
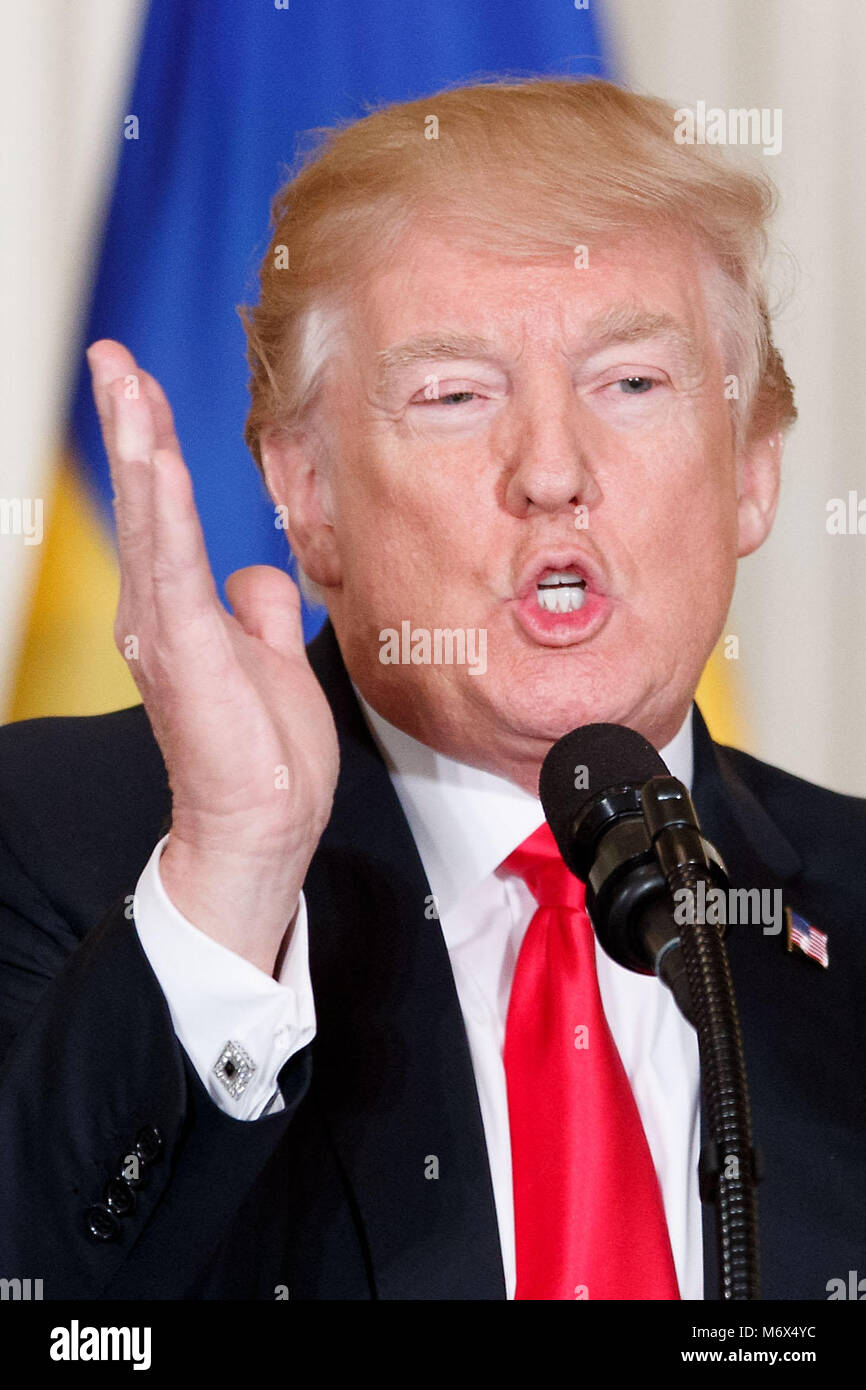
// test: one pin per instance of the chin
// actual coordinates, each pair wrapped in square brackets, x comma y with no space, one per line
[548,711]
[545,693]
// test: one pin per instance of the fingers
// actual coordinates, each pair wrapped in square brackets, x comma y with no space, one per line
[183,585]
[161,415]
[166,582]
[109,361]
[267,604]
[130,442]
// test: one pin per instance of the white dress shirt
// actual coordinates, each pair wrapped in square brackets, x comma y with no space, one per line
[465,822]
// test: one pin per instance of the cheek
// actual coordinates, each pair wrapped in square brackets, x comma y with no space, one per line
[409,505]
[403,540]
[683,490]
[702,474]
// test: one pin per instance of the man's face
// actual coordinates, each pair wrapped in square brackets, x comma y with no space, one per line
[543,454]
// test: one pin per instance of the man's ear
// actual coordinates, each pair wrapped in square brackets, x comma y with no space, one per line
[296,466]
[758,475]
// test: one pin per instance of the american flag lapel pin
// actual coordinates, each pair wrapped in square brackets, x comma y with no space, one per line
[801,936]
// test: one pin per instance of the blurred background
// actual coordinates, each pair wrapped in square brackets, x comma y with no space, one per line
[143,140]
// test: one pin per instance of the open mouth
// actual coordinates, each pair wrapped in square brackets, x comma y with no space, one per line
[562,598]
[560,591]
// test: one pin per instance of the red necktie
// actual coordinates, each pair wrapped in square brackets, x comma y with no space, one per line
[589,1219]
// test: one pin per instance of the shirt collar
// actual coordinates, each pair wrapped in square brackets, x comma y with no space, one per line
[465,821]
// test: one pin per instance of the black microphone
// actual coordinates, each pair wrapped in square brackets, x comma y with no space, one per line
[625,827]
[629,831]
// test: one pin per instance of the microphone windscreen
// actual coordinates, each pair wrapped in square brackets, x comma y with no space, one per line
[584,764]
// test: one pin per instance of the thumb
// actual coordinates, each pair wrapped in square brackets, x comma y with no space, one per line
[267,605]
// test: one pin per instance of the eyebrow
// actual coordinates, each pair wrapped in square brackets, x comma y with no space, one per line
[623,323]
[429,347]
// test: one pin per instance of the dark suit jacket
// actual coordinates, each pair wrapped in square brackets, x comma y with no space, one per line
[329,1197]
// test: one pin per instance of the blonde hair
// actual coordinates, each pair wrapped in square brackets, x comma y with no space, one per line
[520,169]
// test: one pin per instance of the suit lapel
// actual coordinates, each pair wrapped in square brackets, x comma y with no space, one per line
[732,817]
[392,1068]
[757,855]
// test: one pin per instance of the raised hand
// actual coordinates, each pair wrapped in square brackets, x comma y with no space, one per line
[243,725]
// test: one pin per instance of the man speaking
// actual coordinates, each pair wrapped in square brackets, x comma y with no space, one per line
[298,999]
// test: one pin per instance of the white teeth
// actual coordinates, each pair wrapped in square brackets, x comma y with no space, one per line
[561,577]
[561,600]
[561,591]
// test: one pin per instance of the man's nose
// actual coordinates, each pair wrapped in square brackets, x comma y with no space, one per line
[547,450]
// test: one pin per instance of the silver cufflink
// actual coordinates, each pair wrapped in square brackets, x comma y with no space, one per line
[234,1069]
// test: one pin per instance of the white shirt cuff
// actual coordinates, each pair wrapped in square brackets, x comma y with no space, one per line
[216,998]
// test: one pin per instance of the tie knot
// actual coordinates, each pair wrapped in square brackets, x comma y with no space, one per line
[542,868]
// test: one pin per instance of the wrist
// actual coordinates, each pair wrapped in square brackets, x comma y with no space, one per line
[246,904]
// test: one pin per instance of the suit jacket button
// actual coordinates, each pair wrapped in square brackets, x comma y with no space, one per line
[101,1225]
[148,1144]
[131,1171]
[119,1197]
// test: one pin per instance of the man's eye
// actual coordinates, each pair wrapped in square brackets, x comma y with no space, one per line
[635,385]
[449,397]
